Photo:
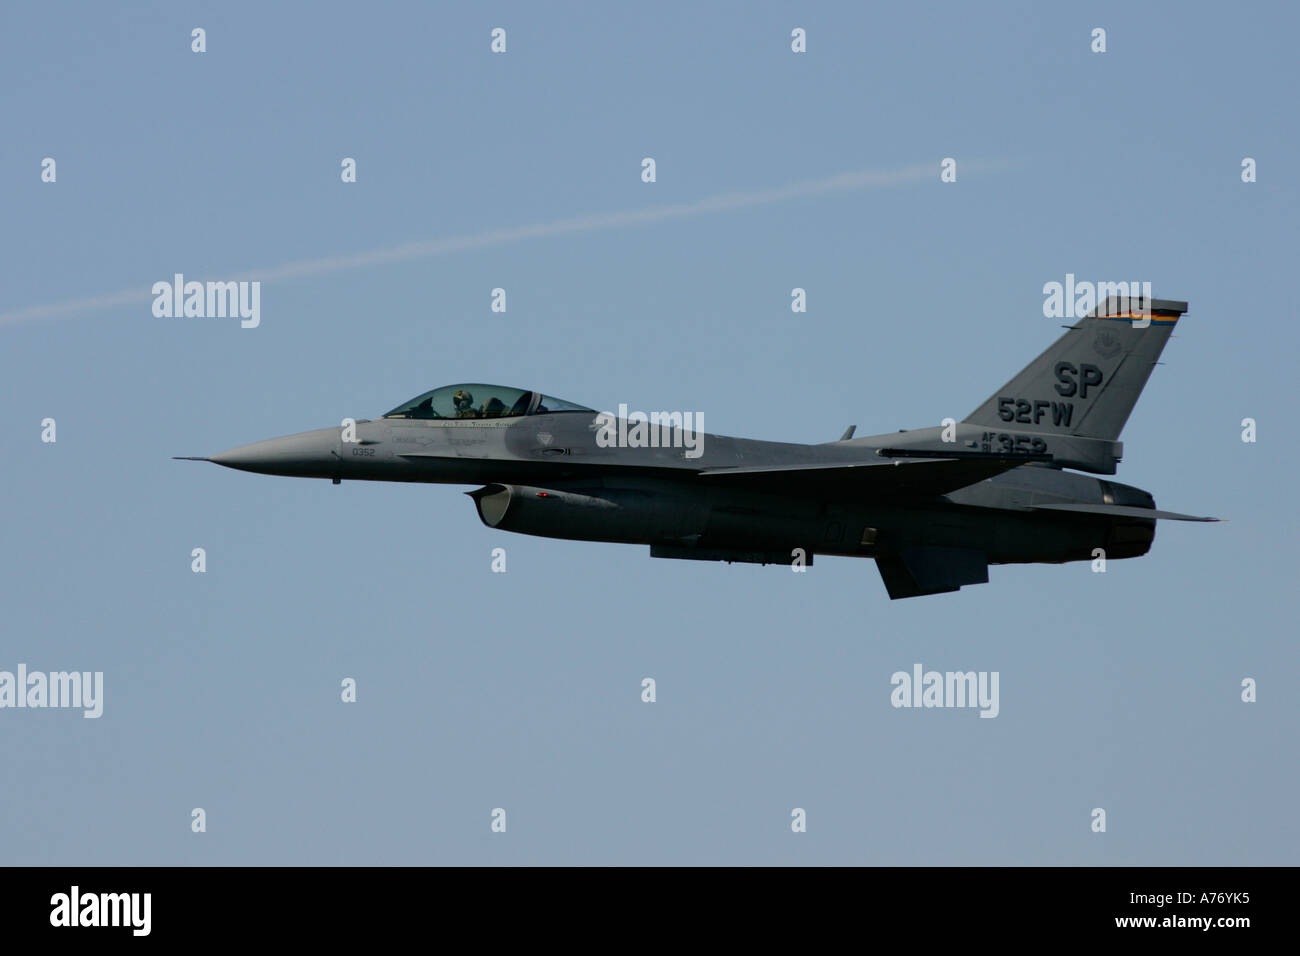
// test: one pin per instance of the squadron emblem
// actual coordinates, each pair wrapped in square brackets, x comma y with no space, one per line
[1107,344]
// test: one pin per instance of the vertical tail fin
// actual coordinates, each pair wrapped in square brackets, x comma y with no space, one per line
[1088,381]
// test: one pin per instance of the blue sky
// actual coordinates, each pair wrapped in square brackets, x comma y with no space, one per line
[522,690]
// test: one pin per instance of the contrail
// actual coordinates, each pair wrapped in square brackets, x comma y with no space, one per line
[425,248]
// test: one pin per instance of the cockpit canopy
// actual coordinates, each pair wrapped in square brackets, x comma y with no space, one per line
[482,401]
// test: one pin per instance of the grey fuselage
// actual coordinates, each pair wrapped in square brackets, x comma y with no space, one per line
[548,475]
[933,506]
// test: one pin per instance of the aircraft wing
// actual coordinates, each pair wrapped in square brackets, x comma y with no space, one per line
[913,476]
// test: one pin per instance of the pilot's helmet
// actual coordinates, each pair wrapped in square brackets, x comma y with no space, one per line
[463,401]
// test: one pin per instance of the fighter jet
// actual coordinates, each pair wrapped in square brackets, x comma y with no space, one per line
[934,507]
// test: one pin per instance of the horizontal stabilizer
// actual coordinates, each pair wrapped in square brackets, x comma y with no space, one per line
[1122,511]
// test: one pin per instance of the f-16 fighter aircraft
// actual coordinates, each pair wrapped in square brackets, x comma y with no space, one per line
[933,506]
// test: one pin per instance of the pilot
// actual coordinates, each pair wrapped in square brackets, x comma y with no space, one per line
[464,403]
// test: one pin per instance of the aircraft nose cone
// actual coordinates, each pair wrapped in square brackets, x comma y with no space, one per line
[305,455]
